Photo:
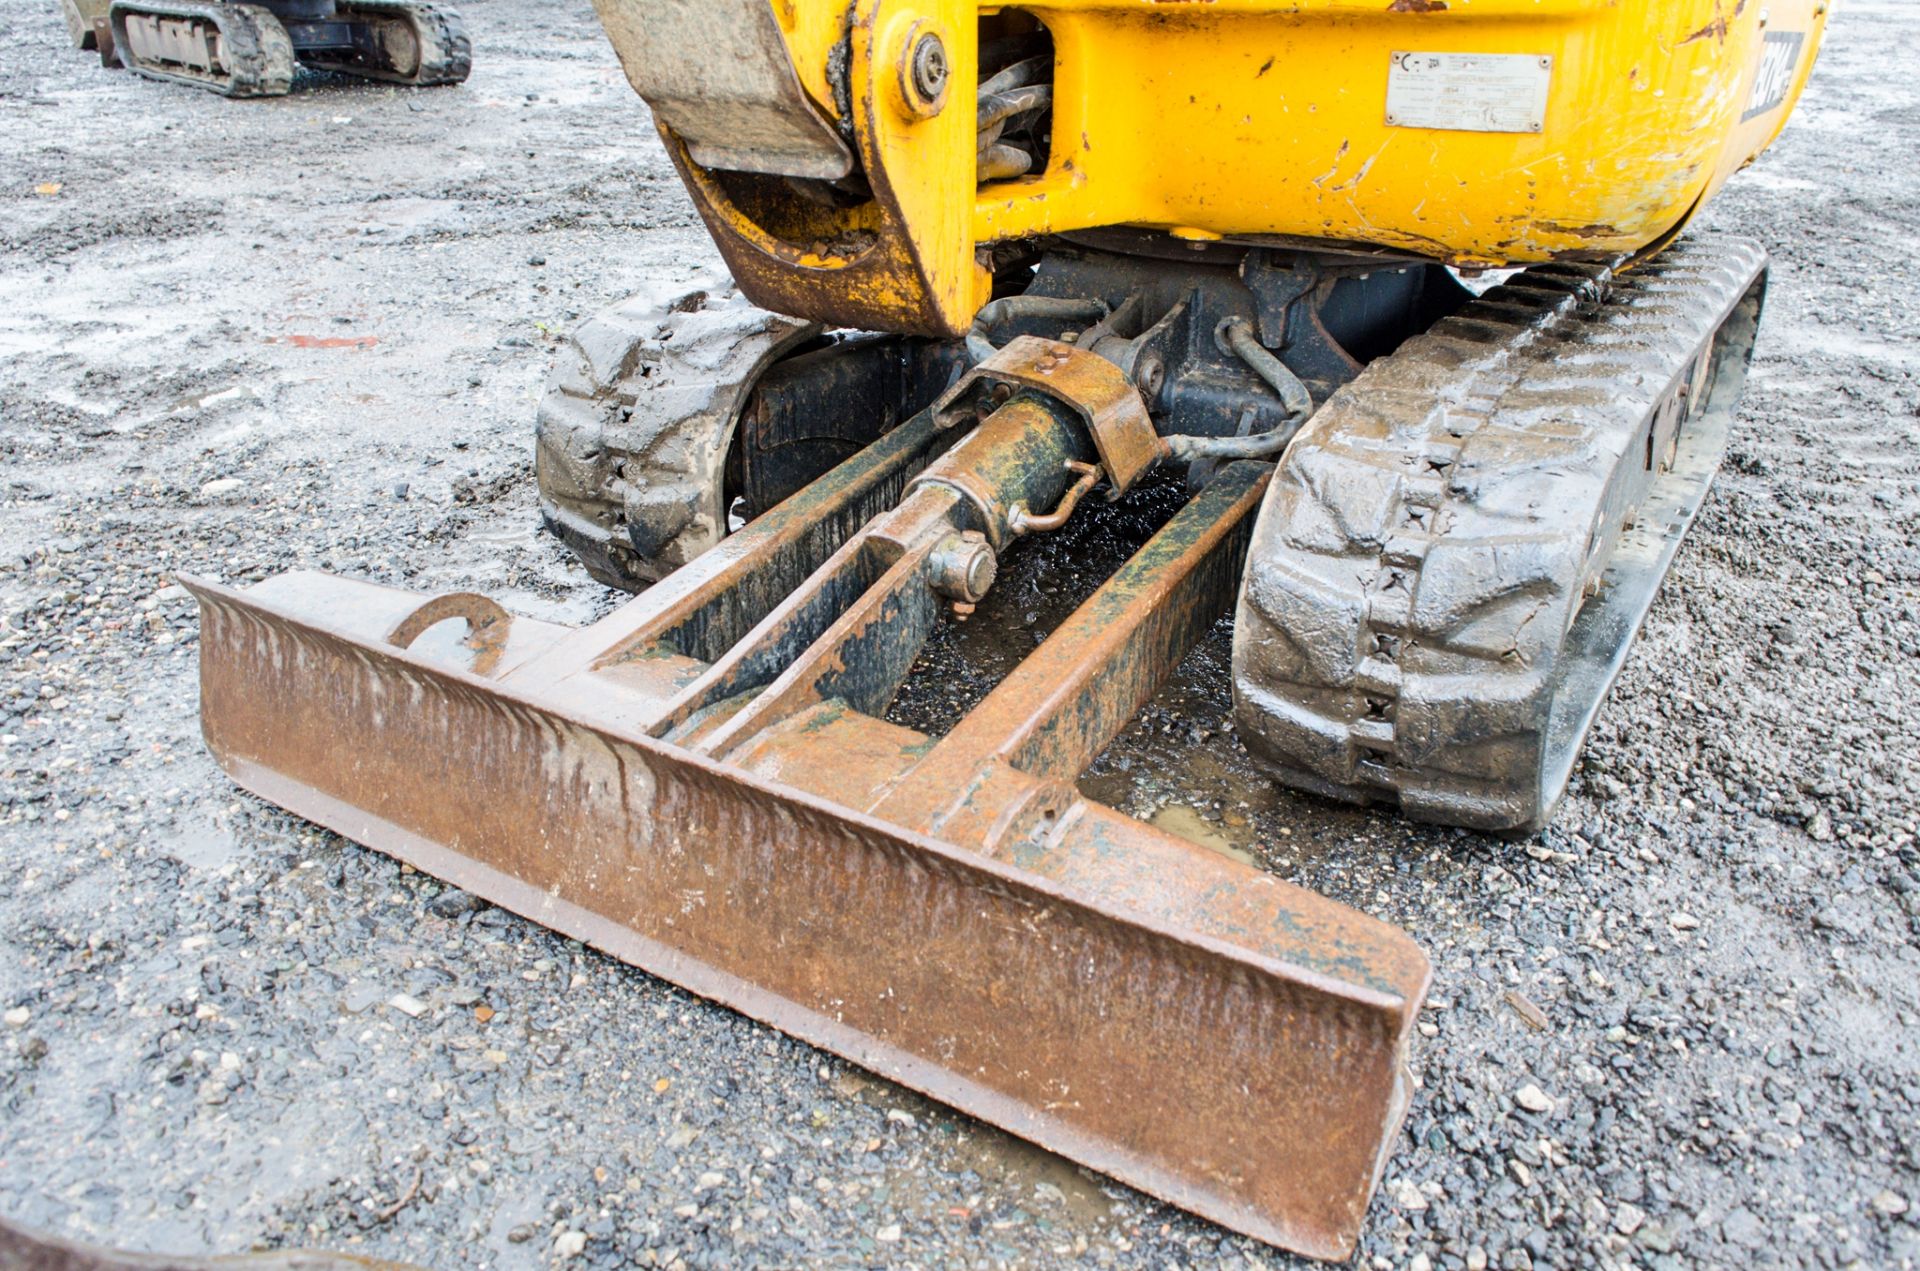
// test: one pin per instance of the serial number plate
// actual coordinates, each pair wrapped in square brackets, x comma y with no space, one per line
[1469,92]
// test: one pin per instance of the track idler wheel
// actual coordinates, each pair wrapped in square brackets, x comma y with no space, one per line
[236,50]
[1457,550]
[401,42]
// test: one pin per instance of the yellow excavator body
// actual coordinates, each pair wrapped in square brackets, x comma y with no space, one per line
[1476,132]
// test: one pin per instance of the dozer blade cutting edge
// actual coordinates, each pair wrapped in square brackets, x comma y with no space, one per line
[702,785]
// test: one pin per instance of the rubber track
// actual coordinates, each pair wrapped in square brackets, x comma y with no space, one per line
[1429,538]
[446,54]
[634,428]
[259,55]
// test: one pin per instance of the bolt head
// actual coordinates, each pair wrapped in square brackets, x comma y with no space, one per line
[964,568]
[1149,375]
[930,67]
[982,568]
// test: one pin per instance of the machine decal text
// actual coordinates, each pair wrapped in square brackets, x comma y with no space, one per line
[1779,54]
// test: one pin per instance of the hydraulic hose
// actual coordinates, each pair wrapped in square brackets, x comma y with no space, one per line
[1027,71]
[980,347]
[1237,334]
[995,107]
[1000,101]
[1186,448]
[1001,163]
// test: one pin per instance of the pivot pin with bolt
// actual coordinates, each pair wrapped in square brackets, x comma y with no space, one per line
[924,73]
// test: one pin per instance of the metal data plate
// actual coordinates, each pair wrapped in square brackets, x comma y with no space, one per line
[1468,92]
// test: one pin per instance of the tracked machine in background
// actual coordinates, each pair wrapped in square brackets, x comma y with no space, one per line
[989,263]
[251,50]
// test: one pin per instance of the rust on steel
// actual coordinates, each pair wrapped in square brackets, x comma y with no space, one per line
[703,785]
[1052,715]
[1098,392]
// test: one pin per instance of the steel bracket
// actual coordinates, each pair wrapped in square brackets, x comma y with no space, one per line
[1092,388]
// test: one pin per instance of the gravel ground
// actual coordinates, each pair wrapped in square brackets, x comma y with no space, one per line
[1680,1028]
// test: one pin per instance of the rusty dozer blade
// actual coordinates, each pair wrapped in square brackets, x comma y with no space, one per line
[703,785]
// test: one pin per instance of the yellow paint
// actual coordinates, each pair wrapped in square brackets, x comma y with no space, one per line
[1250,117]
[1245,118]
[923,169]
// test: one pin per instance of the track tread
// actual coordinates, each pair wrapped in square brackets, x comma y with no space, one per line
[1429,538]
[259,58]
[634,427]
[446,51]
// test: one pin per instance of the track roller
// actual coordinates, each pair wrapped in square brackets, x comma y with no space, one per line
[237,50]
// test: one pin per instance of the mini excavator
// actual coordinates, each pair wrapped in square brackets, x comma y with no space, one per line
[1397,295]
[251,50]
